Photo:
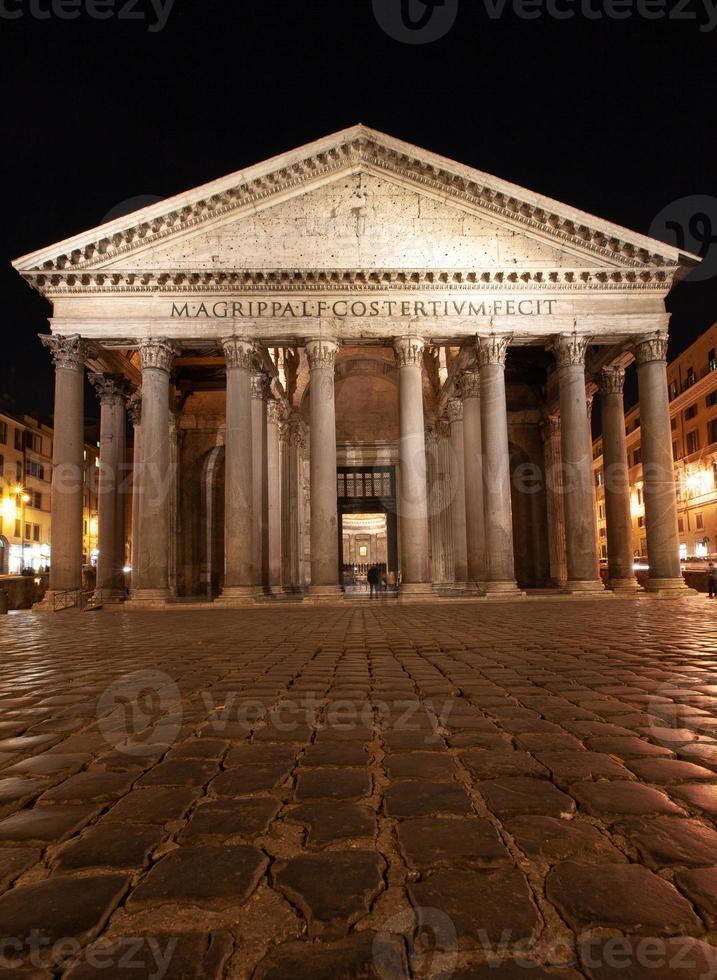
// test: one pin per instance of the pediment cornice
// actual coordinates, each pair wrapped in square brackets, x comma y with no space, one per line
[352,150]
[79,282]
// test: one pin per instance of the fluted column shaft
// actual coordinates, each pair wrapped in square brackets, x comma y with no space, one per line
[134,407]
[412,490]
[576,453]
[67,448]
[500,565]
[274,491]
[663,549]
[550,432]
[110,577]
[473,468]
[616,482]
[260,541]
[239,567]
[324,520]
[152,580]
[458,489]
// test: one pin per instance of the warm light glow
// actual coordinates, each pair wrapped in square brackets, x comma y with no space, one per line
[93,526]
[127,569]
[17,490]
[26,498]
[9,508]
[697,482]
[636,508]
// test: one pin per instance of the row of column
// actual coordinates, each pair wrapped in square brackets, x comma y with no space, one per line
[481,516]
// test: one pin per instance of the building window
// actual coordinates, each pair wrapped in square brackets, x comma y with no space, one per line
[18,440]
[711,360]
[598,478]
[603,532]
[35,532]
[28,531]
[699,522]
[681,524]
[2,465]
[673,422]
[18,471]
[639,495]
[712,430]
[690,379]
[711,399]
[636,457]
[601,512]
[35,469]
[3,433]
[641,521]
[693,441]
[691,412]
[37,500]
[675,454]
[672,390]
[18,529]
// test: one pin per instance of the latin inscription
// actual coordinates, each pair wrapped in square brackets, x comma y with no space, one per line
[340,308]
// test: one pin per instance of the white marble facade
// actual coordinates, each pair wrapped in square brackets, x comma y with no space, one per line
[358,302]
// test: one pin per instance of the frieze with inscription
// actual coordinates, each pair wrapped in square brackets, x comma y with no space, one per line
[359,308]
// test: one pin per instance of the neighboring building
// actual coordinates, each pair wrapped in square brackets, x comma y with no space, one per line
[692,388]
[25,499]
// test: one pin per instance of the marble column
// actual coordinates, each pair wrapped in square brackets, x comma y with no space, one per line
[473,475]
[239,560]
[274,489]
[658,479]
[500,567]
[152,579]
[550,433]
[69,355]
[439,514]
[110,577]
[576,454]
[260,539]
[134,410]
[290,435]
[620,574]
[412,483]
[458,492]
[321,355]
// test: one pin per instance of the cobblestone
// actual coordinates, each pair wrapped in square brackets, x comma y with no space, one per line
[329,788]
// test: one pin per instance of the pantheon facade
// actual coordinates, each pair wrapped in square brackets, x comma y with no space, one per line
[357,333]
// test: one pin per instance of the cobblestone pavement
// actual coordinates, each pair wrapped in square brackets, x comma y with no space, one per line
[463,789]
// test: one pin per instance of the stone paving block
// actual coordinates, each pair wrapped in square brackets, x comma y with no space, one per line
[156,805]
[485,764]
[244,780]
[513,969]
[514,795]
[329,823]
[344,754]
[611,800]
[186,772]
[60,908]
[261,755]
[15,791]
[627,897]
[230,818]
[479,904]
[199,748]
[419,765]
[551,840]
[363,956]
[697,796]
[418,798]
[626,747]
[330,783]
[549,743]
[45,824]
[48,764]
[663,771]
[700,886]
[333,889]
[15,860]
[171,956]
[664,841]
[648,958]
[89,787]
[570,767]
[208,876]
[110,845]
[434,842]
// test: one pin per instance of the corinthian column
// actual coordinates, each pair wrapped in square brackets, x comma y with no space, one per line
[663,549]
[458,488]
[550,433]
[110,577]
[134,409]
[412,489]
[620,575]
[69,354]
[500,569]
[576,452]
[260,545]
[324,520]
[274,490]
[152,579]
[473,467]
[239,568]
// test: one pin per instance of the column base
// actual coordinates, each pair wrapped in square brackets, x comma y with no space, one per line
[236,596]
[588,586]
[505,589]
[668,588]
[416,592]
[625,586]
[148,598]
[323,593]
[110,595]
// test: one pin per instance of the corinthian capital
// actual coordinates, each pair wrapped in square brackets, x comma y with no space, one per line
[612,380]
[652,348]
[409,351]
[238,353]
[492,349]
[569,349]
[275,411]
[470,384]
[321,354]
[454,410]
[134,407]
[156,354]
[67,352]
[259,386]
[111,388]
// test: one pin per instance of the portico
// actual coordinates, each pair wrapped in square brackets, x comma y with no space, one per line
[355,308]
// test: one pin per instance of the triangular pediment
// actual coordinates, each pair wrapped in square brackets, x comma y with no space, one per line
[354,200]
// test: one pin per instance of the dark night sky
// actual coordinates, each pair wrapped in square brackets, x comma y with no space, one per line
[615,117]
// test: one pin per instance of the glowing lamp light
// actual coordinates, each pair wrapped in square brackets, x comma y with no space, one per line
[698,482]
